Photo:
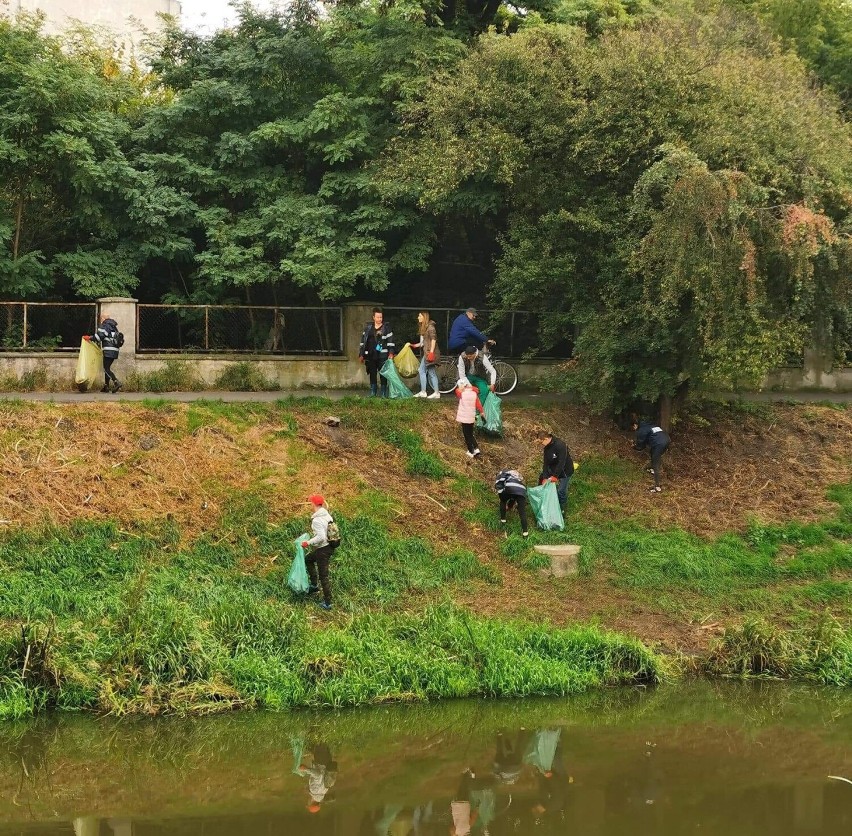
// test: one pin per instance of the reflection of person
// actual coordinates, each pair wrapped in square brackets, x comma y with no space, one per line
[551,775]
[656,441]
[321,773]
[316,561]
[463,332]
[512,492]
[557,464]
[469,405]
[509,755]
[429,355]
[376,347]
[108,338]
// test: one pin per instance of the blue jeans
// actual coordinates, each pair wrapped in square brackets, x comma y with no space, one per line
[431,372]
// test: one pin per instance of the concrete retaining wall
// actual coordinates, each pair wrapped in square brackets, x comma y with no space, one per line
[282,371]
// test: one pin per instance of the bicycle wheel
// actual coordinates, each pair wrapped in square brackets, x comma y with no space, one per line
[448,375]
[507,377]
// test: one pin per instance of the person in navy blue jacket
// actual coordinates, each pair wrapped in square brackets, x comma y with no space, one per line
[464,333]
[651,437]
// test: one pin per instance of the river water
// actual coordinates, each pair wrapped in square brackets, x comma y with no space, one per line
[700,758]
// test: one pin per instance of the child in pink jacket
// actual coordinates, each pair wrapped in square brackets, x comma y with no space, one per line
[469,405]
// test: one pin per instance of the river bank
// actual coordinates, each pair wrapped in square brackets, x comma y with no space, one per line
[146,548]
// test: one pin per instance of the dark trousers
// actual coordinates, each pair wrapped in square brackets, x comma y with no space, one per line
[467,431]
[109,374]
[656,457]
[319,560]
[510,500]
[373,364]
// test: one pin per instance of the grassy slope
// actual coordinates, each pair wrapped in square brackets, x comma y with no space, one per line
[151,576]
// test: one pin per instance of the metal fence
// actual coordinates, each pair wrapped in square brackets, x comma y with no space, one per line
[45,326]
[239,328]
[517,333]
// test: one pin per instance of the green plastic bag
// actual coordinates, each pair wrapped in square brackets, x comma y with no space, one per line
[298,580]
[396,388]
[545,505]
[493,422]
[542,749]
[297,744]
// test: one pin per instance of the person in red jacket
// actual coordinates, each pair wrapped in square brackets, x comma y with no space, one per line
[469,405]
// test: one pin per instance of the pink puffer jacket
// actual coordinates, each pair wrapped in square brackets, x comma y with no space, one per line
[468,405]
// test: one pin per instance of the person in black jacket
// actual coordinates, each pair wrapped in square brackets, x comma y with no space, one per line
[656,441]
[376,347]
[557,464]
[512,491]
[108,338]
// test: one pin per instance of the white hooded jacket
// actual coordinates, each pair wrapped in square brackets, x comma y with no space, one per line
[319,525]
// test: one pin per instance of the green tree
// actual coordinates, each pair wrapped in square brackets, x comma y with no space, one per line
[673,194]
[272,137]
[74,214]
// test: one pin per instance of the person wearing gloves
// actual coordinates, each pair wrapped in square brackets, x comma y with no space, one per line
[476,367]
[463,332]
[656,441]
[512,491]
[108,338]
[557,464]
[376,347]
[427,344]
[469,405]
[317,560]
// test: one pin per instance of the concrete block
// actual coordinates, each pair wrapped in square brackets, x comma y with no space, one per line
[564,560]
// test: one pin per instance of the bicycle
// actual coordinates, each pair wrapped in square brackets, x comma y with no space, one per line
[448,374]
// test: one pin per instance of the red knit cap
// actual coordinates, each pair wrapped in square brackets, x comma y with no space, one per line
[317,499]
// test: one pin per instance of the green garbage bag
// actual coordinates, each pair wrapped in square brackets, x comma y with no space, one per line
[297,744]
[545,505]
[298,580]
[396,388]
[493,422]
[542,749]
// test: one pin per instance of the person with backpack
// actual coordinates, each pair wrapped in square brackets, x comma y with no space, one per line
[512,491]
[376,347]
[325,540]
[110,340]
[469,405]
[656,440]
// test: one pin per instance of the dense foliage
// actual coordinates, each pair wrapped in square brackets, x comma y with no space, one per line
[666,177]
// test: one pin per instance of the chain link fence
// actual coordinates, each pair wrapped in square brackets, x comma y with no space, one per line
[239,328]
[45,326]
[517,333]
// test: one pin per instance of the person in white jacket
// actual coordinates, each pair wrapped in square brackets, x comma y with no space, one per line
[317,560]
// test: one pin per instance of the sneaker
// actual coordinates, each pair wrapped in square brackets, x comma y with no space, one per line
[434,396]
[503,521]
[525,534]
[420,395]
[105,389]
[323,606]
[116,386]
[656,489]
[477,452]
[470,455]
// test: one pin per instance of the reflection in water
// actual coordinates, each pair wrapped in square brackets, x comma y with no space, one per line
[695,759]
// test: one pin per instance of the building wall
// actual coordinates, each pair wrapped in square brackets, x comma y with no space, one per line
[120,16]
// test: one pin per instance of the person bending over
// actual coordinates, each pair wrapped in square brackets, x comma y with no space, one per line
[512,491]
[652,438]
